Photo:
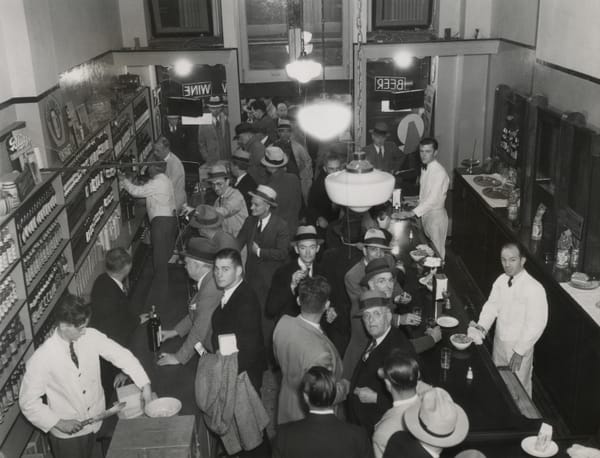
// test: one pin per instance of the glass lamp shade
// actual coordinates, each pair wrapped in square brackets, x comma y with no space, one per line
[359,187]
[303,69]
[324,119]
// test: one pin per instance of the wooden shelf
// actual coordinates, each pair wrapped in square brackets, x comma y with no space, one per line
[59,292]
[20,431]
[8,271]
[109,211]
[36,234]
[129,229]
[49,263]
[14,362]
[14,310]
[127,145]
[90,204]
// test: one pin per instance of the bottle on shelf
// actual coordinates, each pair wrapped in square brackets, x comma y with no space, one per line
[154,331]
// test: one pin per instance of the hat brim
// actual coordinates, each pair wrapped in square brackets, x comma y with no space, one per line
[360,313]
[380,132]
[411,419]
[266,163]
[207,259]
[361,245]
[267,199]
[217,176]
[210,225]
[365,280]
[316,238]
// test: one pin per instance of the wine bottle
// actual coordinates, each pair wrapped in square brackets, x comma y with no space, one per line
[154,331]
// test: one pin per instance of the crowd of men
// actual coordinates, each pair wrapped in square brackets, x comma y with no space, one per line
[309,290]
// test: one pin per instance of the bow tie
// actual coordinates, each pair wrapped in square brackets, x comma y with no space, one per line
[423,166]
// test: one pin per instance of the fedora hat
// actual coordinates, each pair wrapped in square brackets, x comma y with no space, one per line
[240,155]
[217,171]
[283,123]
[369,299]
[243,128]
[437,420]
[274,157]
[375,238]
[200,249]
[265,193]
[215,101]
[306,233]
[380,128]
[205,216]
[375,267]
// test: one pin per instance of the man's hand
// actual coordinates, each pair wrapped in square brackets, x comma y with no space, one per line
[409,319]
[406,215]
[255,248]
[120,379]
[167,359]
[515,362]
[330,315]
[322,222]
[68,426]
[186,210]
[345,384]
[366,395]
[297,277]
[146,394]
[167,334]
[435,332]
[144,317]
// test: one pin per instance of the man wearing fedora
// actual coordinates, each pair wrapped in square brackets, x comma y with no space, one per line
[249,140]
[381,153]
[230,202]
[374,246]
[195,327]
[175,171]
[286,185]
[433,424]
[300,343]
[214,141]
[267,238]
[244,183]
[320,209]
[299,161]
[262,121]
[208,224]
[282,298]
[368,399]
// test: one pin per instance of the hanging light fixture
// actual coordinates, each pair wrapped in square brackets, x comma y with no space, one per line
[302,68]
[359,186]
[324,119]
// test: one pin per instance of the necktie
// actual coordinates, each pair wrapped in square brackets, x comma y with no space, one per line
[259,227]
[73,355]
[510,280]
[424,167]
[369,350]
[125,290]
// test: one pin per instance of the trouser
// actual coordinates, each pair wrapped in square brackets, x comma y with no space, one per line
[501,354]
[74,447]
[163,230]
[435,225]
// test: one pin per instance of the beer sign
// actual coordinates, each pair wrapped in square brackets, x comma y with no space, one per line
[390,83]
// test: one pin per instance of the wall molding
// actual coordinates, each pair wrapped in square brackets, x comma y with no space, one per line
[568,71]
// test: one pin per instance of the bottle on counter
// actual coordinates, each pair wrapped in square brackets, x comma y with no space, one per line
[154,331]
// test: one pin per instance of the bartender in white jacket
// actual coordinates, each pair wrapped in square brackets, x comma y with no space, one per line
[519,307]
[66,369]
[434,183]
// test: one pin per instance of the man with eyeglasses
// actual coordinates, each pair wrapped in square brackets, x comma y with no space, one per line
[321,210]
[230,202]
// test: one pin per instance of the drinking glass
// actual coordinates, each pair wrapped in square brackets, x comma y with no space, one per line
[445,357]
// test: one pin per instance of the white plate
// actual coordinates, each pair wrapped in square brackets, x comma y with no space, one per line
[528,445]
[446,321]
[426,281]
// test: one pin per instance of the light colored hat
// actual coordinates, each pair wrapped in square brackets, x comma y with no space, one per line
[265,193]
[437,420]
[274,157]
[283,123]
[206,216]
[217,171]
[375,238]
[306,233]
[215,101]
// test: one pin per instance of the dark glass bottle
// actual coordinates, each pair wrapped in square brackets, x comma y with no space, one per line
[154,329]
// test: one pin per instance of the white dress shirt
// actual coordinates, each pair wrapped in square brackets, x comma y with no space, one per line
[72,393]
[176,174]
[160,198]
[434,184]
[520,311]
[118,282]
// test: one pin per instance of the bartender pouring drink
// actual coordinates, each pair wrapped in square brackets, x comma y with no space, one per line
[434,183]
[519,307]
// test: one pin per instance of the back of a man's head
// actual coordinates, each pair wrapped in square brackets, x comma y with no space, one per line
[72,310]
[117,259]
[313,294]
[318,386]
[402,371]
[162,147]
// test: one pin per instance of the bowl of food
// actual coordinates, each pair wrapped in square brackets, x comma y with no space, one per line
[418,255]
[163,407]
[460,341]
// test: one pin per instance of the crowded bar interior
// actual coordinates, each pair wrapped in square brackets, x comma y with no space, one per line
[299,228]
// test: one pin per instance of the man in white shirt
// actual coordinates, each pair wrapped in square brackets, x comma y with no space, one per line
[66,369]
[230,202]
[175,170]
[519,307]
[434,184]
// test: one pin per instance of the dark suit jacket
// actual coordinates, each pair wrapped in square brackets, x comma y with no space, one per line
[365,375]
[241,316]
[289,197]
[402,443]
[319,203]
[257,152]
[196,325]
[246,184]
[274,242]
[392,160]
[321,436]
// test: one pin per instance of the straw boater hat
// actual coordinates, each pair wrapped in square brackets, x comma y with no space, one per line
[265,193]
[200,249]
[375,238]
[369,299]
[437,420]
[274,157]
[241,156]
[215,101]
[207,217]
[376,267]
[306,233]
[380,128]
[217,171]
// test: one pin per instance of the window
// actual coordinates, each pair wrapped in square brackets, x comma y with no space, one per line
[402,14]
[182,17]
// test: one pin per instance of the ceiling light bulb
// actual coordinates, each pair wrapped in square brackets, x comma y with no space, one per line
[303,70]
[403,59]
[324,119]
[182,67]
